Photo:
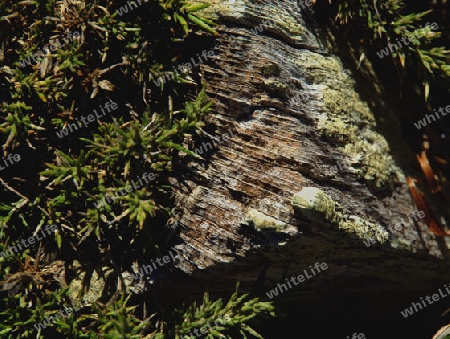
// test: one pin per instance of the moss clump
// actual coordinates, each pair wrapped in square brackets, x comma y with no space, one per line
[373,26]
[83,169]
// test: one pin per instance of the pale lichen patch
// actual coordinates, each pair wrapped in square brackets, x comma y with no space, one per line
[402,244]
[271,69]
[261,221]
[336,129]
[350,121]
[96,286]
[344,102]
[318,67]
[374,165]
[368,150]
[364,229]
[316,204]
[277,87]
[312,199]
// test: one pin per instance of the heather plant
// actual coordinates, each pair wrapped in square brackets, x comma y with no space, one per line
[61,60]
[117,319]
[216,319]
[379,24]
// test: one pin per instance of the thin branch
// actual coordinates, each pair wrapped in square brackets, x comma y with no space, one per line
[19,205]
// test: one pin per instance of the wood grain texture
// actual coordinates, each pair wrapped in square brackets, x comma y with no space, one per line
[273,91]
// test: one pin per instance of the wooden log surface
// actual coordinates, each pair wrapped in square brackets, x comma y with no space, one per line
[292,113]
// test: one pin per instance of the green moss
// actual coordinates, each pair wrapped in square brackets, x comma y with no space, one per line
[75,175]
[423,62]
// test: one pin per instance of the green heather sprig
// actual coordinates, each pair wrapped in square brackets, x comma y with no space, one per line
[58,180]
[383,23]
[230,319]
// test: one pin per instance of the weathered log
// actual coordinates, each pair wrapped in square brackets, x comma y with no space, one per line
[297,120]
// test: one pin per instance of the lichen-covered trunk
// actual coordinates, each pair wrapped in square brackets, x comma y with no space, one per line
[307,166]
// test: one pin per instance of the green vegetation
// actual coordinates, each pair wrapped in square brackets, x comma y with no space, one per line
[376,24]
[97,57]
[219,320]
[102,57]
